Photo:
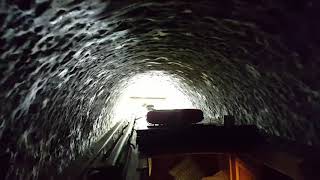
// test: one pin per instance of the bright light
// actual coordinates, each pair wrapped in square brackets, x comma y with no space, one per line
[150,90]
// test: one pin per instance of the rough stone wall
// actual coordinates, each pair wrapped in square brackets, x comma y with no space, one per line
[61,63]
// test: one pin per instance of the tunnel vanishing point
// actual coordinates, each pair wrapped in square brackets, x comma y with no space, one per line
[64,65]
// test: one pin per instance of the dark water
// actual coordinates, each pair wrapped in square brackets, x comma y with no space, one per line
[63,61]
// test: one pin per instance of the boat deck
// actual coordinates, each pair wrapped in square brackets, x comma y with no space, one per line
[196,138]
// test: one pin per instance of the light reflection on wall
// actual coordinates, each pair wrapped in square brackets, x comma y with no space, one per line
[147,91]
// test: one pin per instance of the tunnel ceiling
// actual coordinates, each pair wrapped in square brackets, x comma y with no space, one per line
[62,61]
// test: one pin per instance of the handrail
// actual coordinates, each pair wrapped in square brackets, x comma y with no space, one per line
[112,143]
[114,155]
[113,132]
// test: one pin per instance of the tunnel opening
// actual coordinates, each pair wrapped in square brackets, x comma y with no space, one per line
[151,90]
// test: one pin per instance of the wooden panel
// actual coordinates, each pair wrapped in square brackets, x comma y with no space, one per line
[239,170]
[243,172]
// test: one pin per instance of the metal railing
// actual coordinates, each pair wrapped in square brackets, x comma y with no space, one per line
[108,155]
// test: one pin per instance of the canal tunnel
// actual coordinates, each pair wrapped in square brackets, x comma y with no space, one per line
[66,67]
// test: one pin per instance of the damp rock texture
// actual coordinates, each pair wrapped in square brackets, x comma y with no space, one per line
[62,63]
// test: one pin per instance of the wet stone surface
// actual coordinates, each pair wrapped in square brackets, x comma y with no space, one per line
[63,63]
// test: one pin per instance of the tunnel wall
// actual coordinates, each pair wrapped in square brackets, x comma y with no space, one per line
[62,61]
